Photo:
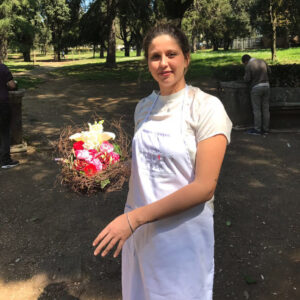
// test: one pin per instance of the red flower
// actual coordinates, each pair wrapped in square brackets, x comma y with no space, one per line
[79,164]
[90,170]
[78,145]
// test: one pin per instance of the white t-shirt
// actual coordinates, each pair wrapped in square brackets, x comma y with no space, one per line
[205,117]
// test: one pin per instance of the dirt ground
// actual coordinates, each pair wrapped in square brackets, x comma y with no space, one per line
[47,231]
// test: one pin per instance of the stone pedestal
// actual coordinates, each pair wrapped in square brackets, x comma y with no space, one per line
[284,105]
[15,99]
[235,97]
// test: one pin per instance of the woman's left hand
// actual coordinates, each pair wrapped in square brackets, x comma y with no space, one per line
[117,231]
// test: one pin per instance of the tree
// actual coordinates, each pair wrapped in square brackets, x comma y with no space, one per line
[6,14]
[213,26]
[174,9]
[93,26]
[43,37]
[190,26]
[140,22]
[275,7]
[57,15]
[267,16]
[24,26]
[71,30]
[237,22]
[125,13]
[294,17]
[227,20]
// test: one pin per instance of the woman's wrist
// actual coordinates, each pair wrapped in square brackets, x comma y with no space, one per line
[136,218]
[129,223]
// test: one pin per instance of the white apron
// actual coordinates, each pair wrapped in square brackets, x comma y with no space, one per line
[173,258]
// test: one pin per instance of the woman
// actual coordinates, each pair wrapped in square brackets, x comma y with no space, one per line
[179,144]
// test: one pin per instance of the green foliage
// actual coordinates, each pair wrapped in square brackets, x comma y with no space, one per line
[25,26]
[57,15]
[227,20]
[175,9]
[93,24]
[6,15]
[104,183]
[276,17]
[32,24]
[117,149]
[139,22]
[71,31]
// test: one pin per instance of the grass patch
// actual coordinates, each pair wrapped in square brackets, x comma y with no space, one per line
[125,71]
[226,65]
[205,65]
[28,82]
[18,67]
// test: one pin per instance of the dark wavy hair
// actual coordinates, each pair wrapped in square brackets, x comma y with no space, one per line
[246,58]
[168,29]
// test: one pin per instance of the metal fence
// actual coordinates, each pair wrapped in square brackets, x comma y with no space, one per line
[248,43]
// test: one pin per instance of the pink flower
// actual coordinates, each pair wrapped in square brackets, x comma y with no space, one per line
[97,163]
[106,147]
[115,157]
[84,154]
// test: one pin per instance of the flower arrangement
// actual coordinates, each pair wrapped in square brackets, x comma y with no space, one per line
[94,160]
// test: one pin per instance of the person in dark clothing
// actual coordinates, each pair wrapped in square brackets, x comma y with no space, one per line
[256,73]
[6,83]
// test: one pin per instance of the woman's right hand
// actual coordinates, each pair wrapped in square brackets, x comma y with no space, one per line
[115,233]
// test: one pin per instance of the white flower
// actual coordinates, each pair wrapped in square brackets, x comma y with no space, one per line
[96,127]
[94,137]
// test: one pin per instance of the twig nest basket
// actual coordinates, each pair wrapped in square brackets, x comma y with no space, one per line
[94,160]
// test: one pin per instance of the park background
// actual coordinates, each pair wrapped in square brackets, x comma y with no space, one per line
[46,230]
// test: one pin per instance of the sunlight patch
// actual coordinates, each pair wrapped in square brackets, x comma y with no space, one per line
[256,184]
[23,289]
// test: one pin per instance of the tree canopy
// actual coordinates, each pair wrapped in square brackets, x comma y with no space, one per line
[28,24]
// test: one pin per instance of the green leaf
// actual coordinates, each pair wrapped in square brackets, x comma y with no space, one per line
[228,223]
[249,280]
[104,183]
[117,149]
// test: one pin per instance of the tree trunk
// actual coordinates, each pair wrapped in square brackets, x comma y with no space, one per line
[56,47]
[194,46]
[26,56]
[94,51]
[227,43]
[215,45]
[111,49]
[102,48]
[273,18]
[3,49]
[125,35]
[127,49]
[56,54]
[138,49]
[126,45]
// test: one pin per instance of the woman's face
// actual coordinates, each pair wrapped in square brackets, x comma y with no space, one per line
[167,64]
